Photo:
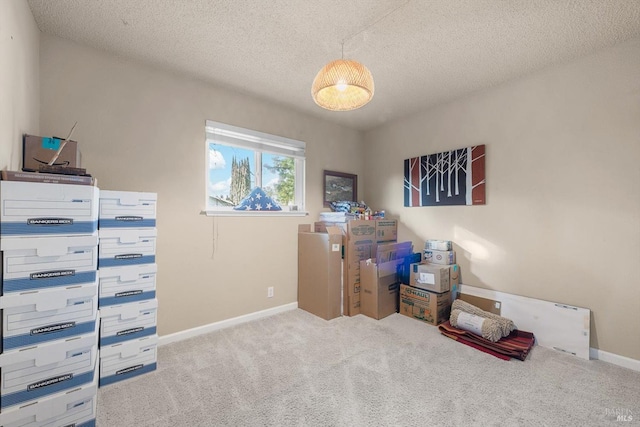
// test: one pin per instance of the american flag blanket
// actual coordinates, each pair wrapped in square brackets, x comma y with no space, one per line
[516,345]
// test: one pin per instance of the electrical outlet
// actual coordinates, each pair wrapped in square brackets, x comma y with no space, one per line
[270,292]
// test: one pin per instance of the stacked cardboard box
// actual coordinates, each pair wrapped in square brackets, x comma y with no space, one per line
[379,279]
[430,307]
[432,284]
[441,252]
[127,291]
[49,299]
[359,241]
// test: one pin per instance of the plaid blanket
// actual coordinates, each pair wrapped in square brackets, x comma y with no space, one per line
[516,345]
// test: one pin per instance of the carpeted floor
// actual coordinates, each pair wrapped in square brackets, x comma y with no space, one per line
[295,369]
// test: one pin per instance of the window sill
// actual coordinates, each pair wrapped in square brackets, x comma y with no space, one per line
[253,213]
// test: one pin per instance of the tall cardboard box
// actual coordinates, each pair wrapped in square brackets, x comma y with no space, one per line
[319,268]
[430,307]
[379,288]
[359,244]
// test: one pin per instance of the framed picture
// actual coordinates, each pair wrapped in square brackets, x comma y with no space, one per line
[455,177]
[340,186]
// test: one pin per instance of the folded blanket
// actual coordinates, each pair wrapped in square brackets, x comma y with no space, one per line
[516,345]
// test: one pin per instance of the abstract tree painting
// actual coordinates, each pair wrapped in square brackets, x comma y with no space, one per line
[455,177]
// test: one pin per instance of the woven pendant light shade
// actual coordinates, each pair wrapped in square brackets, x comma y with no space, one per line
[343,85]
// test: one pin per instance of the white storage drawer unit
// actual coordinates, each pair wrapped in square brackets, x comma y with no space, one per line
[128,359]
[46,369]
[38,263]
[127,209]
[52,314]
[75,408]
[122,247]
[44,209]
[126,322]
[121,285]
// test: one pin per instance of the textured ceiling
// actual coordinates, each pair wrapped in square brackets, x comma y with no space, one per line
[420,52]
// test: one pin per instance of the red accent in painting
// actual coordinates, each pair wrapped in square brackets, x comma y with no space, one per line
[478,175]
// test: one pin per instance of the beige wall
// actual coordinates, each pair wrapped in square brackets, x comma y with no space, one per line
[562,219]
[19,82]
[141,129]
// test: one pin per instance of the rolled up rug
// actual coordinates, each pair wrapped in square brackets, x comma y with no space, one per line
[506,325]
[487,328]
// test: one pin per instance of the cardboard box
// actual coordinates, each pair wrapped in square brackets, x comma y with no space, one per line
[128,359]
[430,277]
[127,209]
[121,285]
[321,226]
[430,307]
[76,408]
[35,317]
[386,230]
[129,321]
[438,245]
[38,151]
[359,244]
[379,291]
[48,262]
[361,232]
[31,374]
[319,269]
[352,305]
[379,279]
[440,257]
[375,230]
[353,255]
[123,247]
[35,209]
[492,306]
[388,251]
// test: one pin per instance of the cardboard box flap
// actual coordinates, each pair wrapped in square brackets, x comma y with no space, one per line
[334,231]
[304,228]
[492,306]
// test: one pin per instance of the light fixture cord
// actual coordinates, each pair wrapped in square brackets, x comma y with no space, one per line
[372,24]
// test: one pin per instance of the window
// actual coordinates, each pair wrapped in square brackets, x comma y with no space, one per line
[252,173]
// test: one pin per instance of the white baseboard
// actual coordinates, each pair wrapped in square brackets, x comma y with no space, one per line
[625,362]
[194,332]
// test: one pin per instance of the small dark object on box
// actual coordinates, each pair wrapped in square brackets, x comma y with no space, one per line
[48,178]
[63,170]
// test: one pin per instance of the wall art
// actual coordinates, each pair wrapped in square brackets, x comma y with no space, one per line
[455,177]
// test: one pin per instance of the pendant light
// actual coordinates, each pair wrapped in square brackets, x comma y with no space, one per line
[345,84]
